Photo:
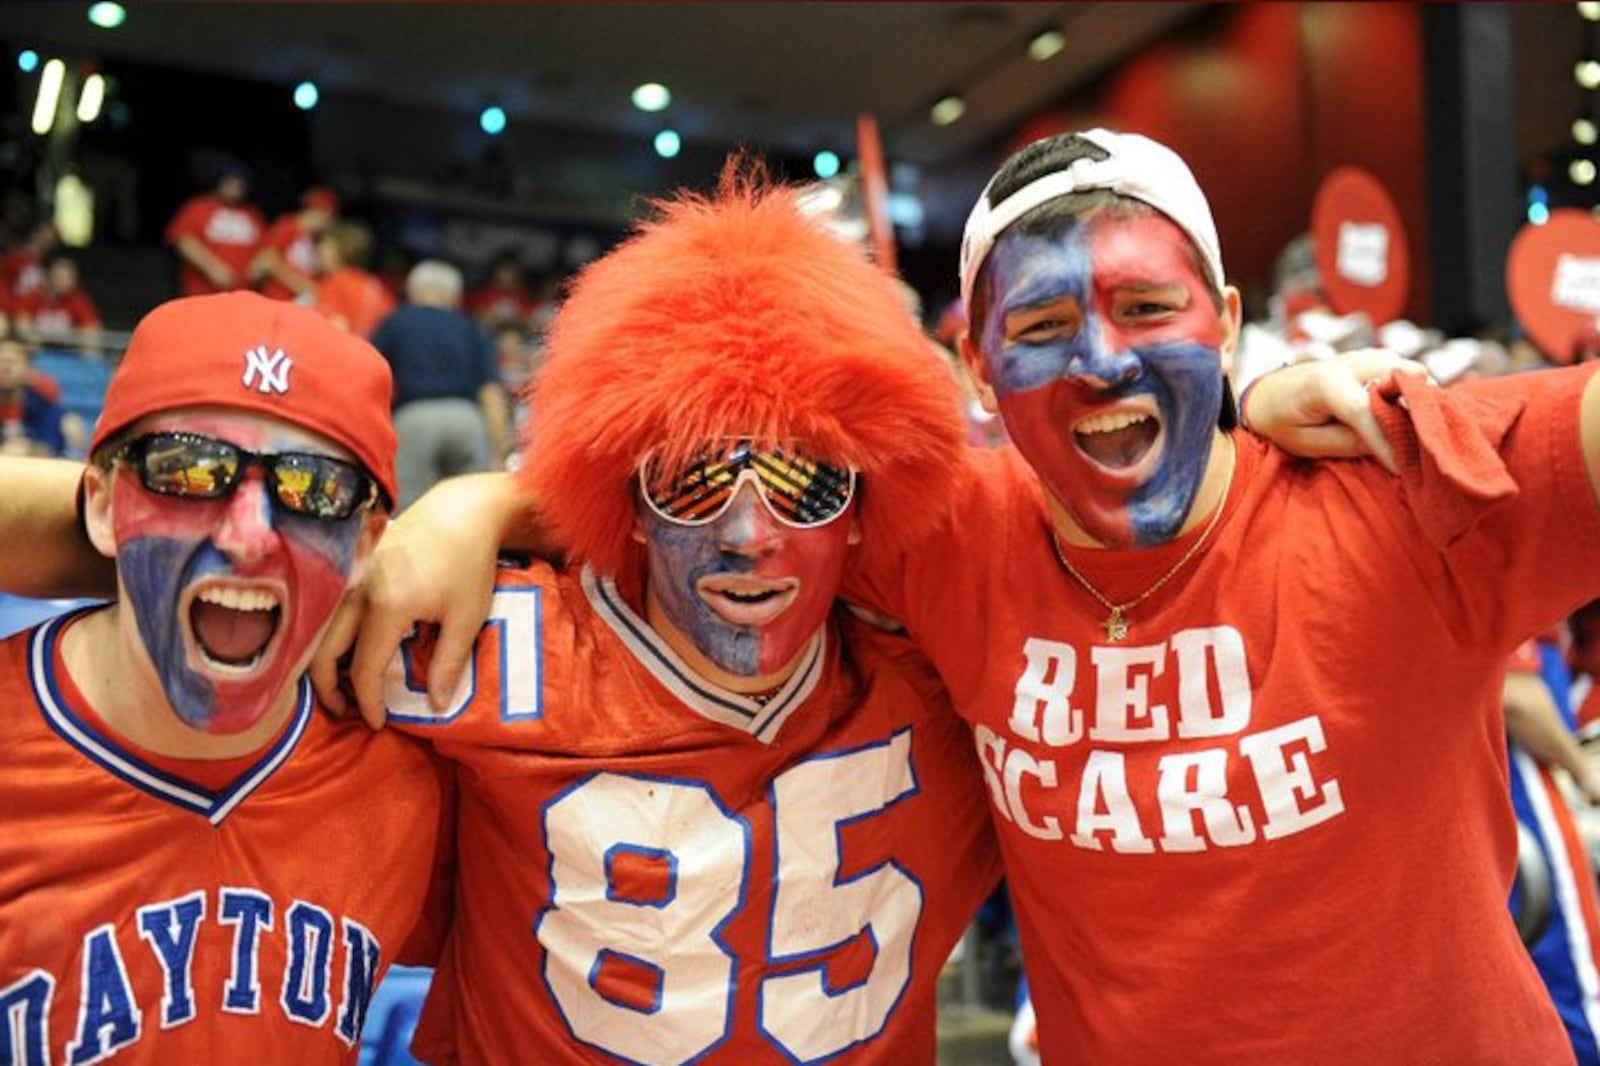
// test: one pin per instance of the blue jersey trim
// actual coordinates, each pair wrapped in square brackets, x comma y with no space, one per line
[104,752]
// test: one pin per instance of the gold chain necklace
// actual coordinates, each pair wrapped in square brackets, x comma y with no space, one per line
[1116,623]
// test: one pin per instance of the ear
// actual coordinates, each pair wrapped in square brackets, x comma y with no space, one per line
[97,512]
[373,525]
[854,536]
[1231,320]
[978,371]
[639,536]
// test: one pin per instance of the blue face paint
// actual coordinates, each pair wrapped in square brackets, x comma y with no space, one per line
[1103,345]
[169,550]
[785,581]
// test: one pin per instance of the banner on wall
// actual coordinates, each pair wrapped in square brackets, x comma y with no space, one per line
[1360,245]
[1553,280]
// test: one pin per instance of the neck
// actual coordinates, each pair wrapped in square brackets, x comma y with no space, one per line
[696,660]
[1219,467]
[108,663]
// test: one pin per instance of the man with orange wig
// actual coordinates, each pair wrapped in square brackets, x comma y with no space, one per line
[707,816]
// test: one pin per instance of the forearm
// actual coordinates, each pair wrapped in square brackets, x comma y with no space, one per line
[1535,724]
[38,508]
[201,257]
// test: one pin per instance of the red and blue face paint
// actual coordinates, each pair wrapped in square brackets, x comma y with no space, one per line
[746,591]
[229,595]
[1104,348]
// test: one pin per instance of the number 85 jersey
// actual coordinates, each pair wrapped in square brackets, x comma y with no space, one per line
[655,870]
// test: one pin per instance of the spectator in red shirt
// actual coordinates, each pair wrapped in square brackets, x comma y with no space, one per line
[349,294]
[215,235]
[22,267]
[286,264]
[60,312]
[503,297]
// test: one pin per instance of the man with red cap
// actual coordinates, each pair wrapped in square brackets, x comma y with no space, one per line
[185,872]
[285,264]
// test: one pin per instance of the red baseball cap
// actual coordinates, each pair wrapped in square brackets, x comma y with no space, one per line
[273,357]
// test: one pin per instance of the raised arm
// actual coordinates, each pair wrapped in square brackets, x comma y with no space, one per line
[435,565]
[38,510]
[1321,409]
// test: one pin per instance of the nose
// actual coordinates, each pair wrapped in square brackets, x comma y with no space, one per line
[748,528]
[1102,359]
[246,535]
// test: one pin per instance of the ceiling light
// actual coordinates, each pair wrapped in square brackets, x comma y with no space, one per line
[493,120]
[1588,73]
[652,96]
[44,105]
[27,61]
[826,164]
[952,107]
[1538,214]
[668,144]
[1584,131]
[1046,44]
[91,98]
[107,15]
[1590,11]
[1581,171]
[306,95]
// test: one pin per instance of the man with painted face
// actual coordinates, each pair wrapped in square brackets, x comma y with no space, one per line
[705,815]
[1239,714]
[185,867]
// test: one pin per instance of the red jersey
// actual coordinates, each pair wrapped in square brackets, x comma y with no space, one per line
[150,918]
[54,315]
[1271,825]
[296,247]
[231,231]
[661,870]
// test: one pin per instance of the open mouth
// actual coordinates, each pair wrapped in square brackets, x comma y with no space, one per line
[748,601]
[233,627]
[1117,440]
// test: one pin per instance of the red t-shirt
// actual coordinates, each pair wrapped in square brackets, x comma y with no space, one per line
[54,315]
[163,919]
[355,299]
[1271,825]
[231,231]
[298,250]
[492,304]
[664,871]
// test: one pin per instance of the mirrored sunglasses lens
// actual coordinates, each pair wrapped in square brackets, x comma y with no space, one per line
[188,466]
[318,486]
[694,495]
[803,492]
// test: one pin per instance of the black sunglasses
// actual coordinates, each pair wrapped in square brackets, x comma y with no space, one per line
[198,467]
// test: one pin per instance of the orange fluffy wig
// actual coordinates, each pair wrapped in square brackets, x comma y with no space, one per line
[737,315]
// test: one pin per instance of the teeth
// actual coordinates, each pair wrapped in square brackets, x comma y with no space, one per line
[239,599]
[1110,422]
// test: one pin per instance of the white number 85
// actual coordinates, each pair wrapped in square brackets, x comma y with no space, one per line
[703,850]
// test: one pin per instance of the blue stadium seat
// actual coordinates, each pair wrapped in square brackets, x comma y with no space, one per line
[83,380]
[392,1017]
[17,614]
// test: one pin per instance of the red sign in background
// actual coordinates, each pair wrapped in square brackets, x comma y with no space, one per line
[1360,246]
[1553,280]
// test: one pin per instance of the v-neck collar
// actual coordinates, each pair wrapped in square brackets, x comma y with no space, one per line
[110,756]
[761,720]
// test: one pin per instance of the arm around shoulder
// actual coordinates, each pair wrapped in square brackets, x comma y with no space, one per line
[38,507]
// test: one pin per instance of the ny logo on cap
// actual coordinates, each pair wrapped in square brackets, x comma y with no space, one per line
[267,372]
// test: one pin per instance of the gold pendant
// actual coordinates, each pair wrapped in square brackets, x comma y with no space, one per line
[1115,625]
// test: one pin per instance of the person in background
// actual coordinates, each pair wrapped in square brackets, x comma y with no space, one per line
[285,264]
[22,266]
[60,311]
[215,236]
[450,409]
[30,411]
[503,297]
[347,292]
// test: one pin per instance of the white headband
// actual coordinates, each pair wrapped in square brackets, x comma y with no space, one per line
[1136,167]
